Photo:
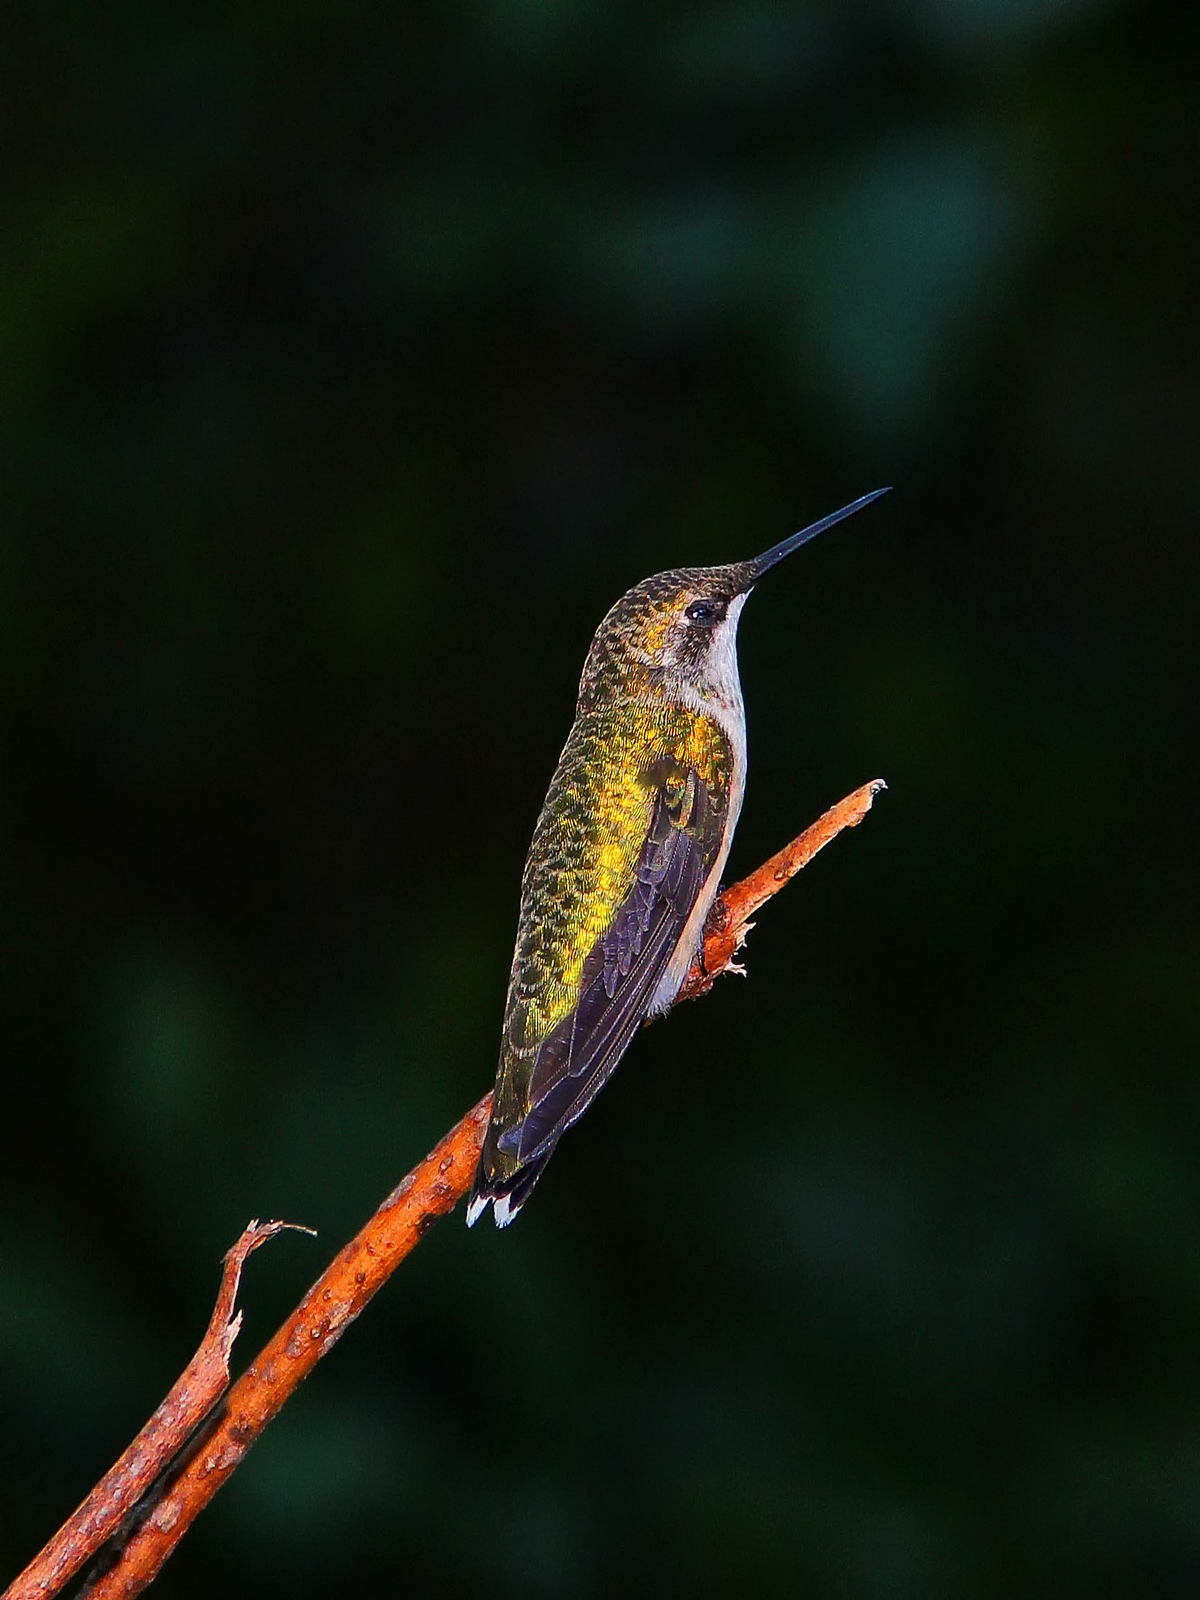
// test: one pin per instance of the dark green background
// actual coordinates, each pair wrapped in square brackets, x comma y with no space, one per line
[353,358]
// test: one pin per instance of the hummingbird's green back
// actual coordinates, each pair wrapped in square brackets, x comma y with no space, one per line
[622,760]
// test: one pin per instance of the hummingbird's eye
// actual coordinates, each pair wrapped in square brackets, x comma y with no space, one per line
[706,611]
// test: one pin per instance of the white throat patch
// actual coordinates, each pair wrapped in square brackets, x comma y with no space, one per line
[720,695]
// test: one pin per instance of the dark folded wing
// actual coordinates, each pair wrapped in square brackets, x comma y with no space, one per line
[622,970]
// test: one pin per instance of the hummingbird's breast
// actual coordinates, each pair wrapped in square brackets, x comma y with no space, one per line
[728,715]
[586,845]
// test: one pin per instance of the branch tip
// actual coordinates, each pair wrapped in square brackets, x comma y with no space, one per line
[729,921]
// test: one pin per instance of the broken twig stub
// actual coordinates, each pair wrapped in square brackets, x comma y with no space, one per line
[200,1386]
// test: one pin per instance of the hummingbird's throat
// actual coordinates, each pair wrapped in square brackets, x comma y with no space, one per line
[704,671]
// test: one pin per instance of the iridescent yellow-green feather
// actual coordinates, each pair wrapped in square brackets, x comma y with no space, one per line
[621,756]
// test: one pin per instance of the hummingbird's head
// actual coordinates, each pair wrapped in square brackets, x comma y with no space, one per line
[673,633]
[676,633]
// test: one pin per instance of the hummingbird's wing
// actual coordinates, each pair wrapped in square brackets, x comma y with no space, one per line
[549,1087]
[621,973]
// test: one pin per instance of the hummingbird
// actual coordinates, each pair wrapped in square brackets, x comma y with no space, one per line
[626,857]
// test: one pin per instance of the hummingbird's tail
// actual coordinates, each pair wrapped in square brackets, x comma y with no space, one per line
[506,1196]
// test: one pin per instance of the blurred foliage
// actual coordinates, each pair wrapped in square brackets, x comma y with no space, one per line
[352,360]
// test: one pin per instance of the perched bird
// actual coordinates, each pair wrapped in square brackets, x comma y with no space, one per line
[626,858]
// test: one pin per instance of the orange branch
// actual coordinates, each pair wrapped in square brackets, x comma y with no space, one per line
[729,920]
[357,1273]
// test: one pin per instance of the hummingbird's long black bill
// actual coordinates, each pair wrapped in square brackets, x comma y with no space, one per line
[765,562]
